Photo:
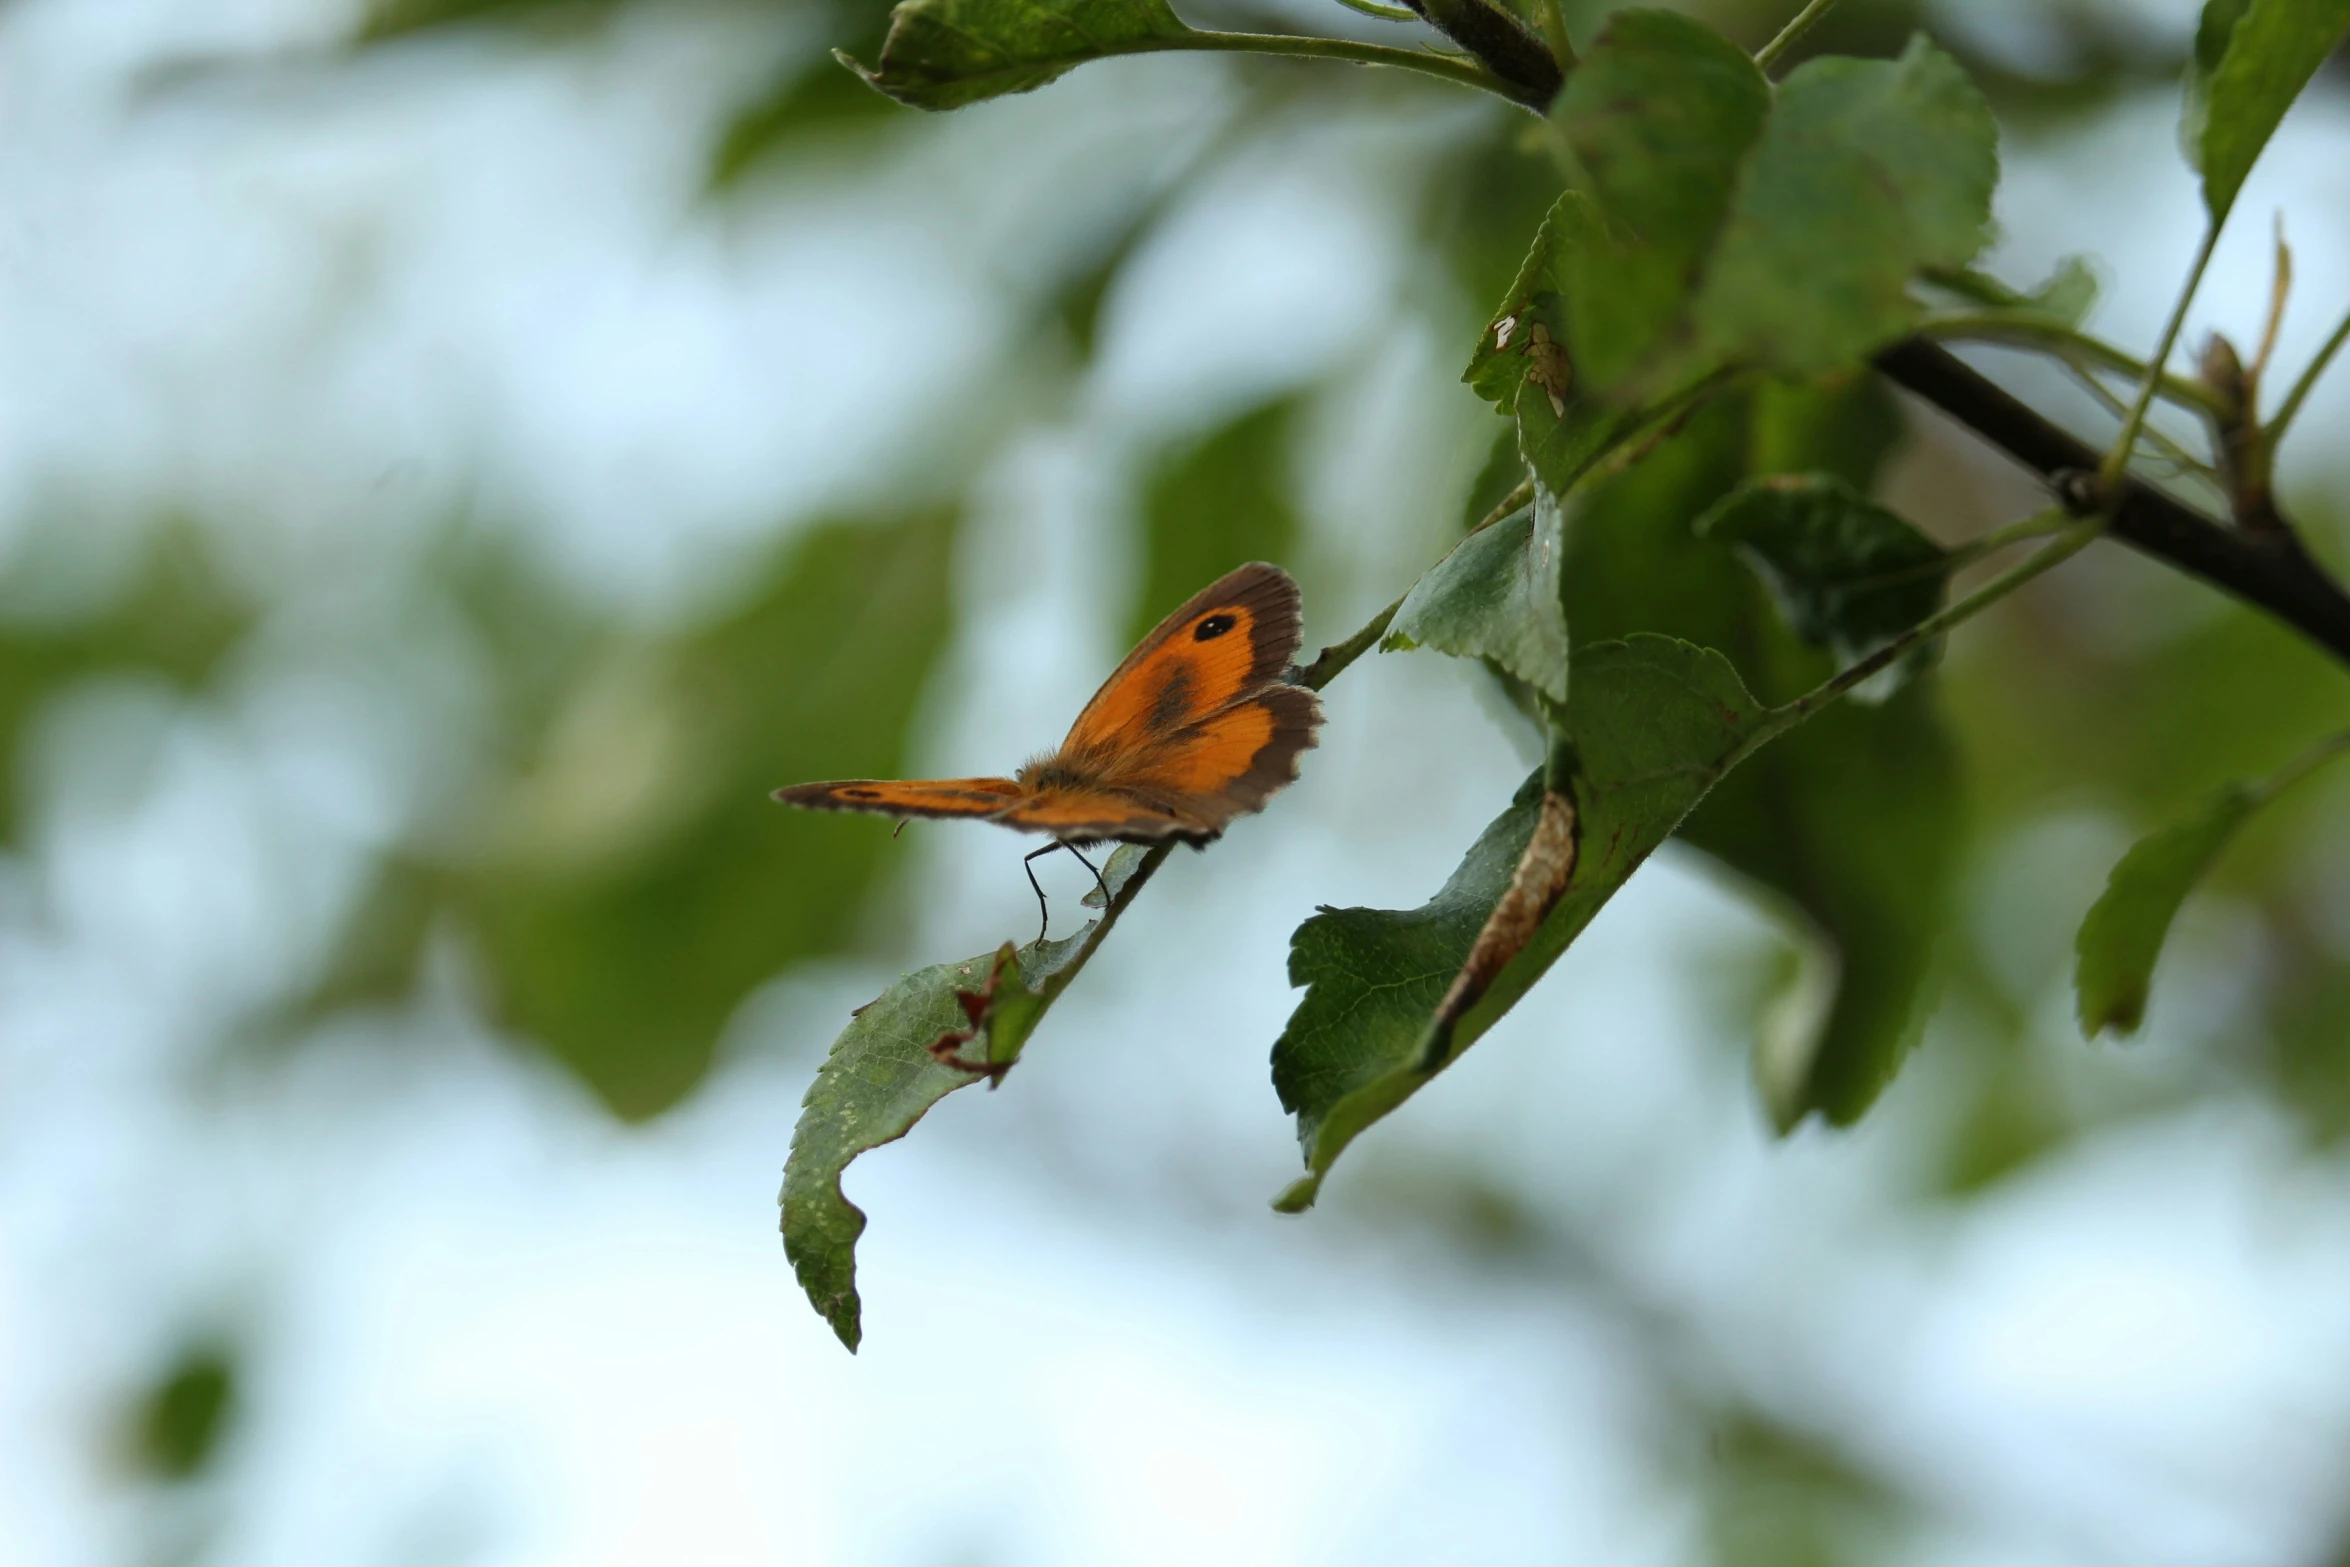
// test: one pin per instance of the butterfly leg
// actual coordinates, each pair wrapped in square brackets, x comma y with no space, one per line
[1097,875]
[1044,919]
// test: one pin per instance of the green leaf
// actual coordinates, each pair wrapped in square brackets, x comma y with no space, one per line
[1870,171]
[801,103]
[2252,59]
[1496,596]
[1851,825]
[171,614]
[1652,723]
[1775,1496]
[2121,940]
[2067,296]
[186,1414]
[1218,502]
[1847,574]
[645,885]
[387,20]
[1842,425]
[1527,336]
[1561,444]
[943,54]
[883,1074]
[1654,125]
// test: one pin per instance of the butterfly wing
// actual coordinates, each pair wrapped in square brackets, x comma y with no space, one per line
[1196,727]
[1087,813]
[1231,638]
[981,797]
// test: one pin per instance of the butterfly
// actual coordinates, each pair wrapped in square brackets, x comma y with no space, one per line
[1198,726]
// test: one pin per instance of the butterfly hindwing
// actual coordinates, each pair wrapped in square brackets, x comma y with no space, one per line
[1230,763]
[1084,813]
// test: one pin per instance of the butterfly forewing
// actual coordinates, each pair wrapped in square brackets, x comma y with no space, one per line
[885,797]
[1234,636]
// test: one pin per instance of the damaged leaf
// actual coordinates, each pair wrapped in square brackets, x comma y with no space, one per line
[1393,996]
[1526,338]
[902,1053]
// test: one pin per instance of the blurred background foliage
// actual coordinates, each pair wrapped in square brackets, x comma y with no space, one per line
[605,877]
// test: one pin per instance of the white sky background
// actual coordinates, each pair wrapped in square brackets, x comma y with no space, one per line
[493,1328]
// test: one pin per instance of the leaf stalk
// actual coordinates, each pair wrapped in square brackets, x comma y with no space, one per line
[1768,55]
[1465,73]
[2017,331]
[2117,461]
[2291,406]
[2076,536]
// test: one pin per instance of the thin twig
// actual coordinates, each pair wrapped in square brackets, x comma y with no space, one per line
[2074,539]
[1508,505]
[2274,574]
[1333,659]
[1768,55]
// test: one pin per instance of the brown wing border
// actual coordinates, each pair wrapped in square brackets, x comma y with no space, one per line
[1276,628]
[1297,716]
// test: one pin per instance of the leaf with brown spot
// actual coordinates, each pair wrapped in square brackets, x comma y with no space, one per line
[1393,996]
[887,1069]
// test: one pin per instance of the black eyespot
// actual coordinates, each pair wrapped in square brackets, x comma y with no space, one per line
[1213,627]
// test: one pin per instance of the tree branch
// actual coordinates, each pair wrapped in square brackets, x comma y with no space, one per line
[2271,572]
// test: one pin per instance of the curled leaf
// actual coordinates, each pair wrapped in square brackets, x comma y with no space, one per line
[2121,940]
[1393,996]
[903,1052]
[1526,336]
[1544,869]
[1496,596]
[943,54]
[1847,574]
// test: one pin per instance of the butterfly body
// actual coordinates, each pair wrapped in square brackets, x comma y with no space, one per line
[1198,726]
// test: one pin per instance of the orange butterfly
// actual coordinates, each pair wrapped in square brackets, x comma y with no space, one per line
[1198,726]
